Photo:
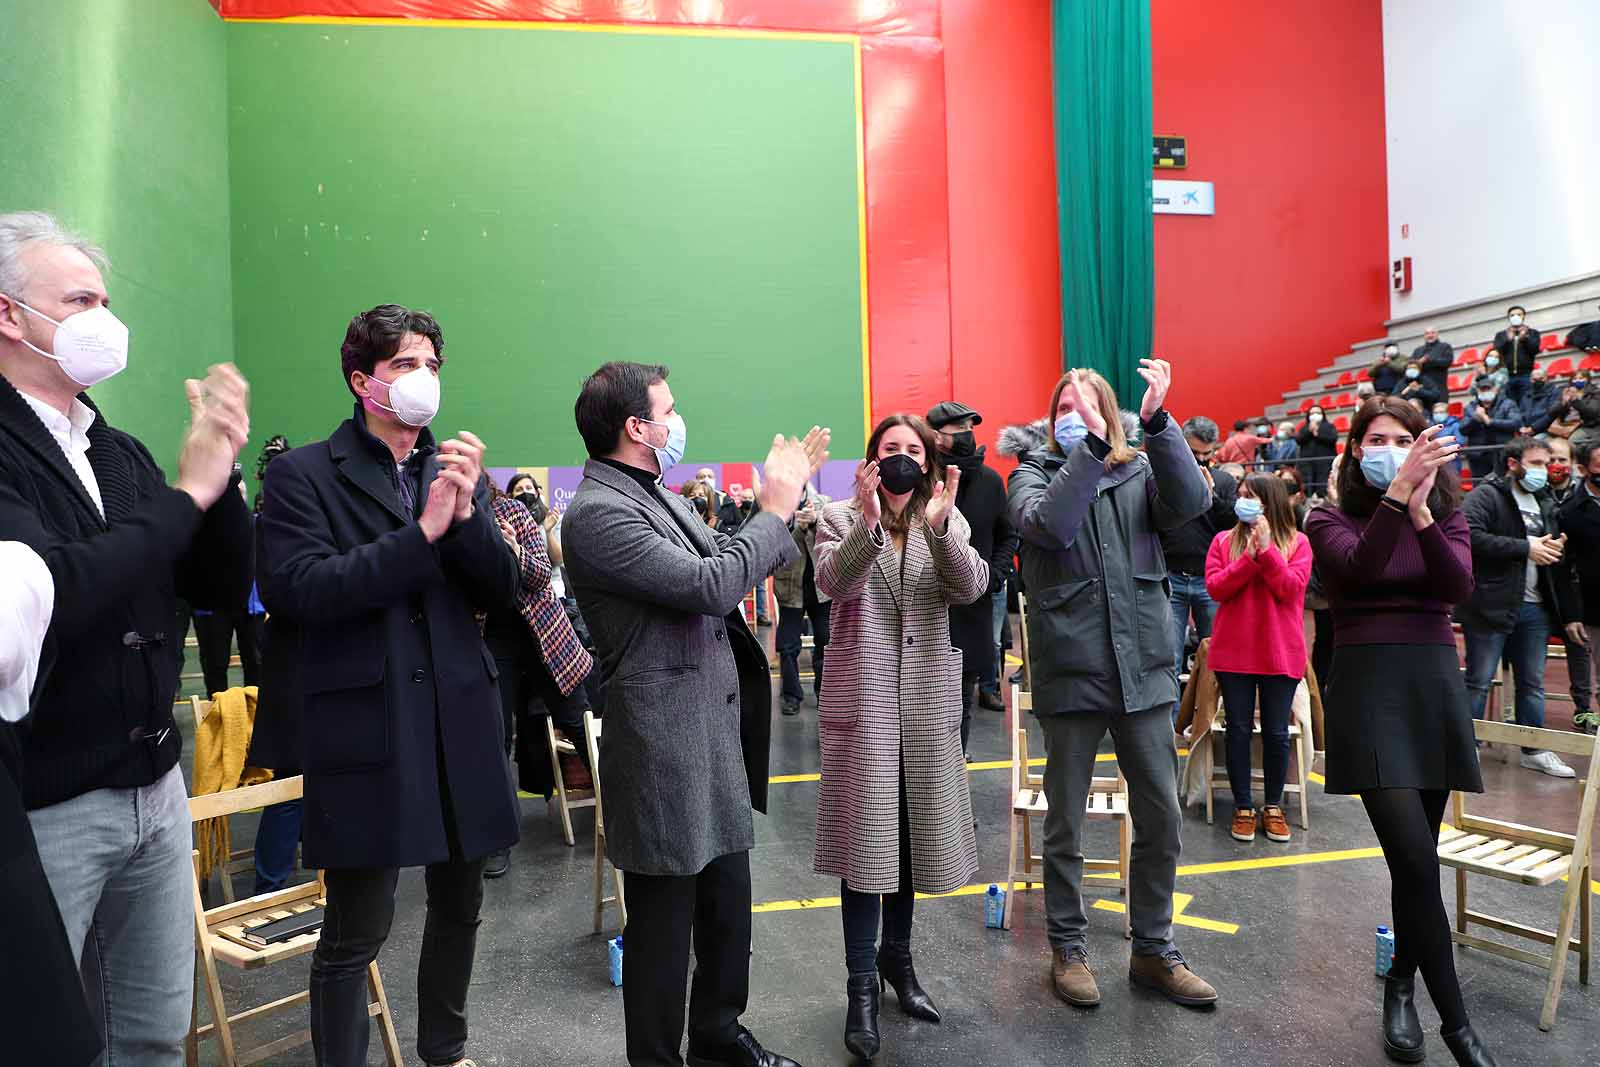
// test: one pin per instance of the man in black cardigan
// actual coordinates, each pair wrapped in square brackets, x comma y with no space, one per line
[377,549]
[99,751]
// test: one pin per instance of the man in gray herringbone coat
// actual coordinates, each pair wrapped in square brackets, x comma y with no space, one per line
[688,708]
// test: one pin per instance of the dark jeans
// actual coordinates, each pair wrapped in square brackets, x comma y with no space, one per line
[861,910]
[1580,672]
[355,926]
[1526,647]
[277,836]
[969,697]
[990,682]
[1189,595]
[790,623]
[214,631]
[664,913]
[1322,647]
[1277,707]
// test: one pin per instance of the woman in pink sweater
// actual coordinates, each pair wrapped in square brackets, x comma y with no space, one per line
[1257,573]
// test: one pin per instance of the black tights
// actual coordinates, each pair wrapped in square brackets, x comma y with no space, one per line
[1407,824]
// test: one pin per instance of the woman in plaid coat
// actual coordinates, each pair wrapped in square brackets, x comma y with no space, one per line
[894,814]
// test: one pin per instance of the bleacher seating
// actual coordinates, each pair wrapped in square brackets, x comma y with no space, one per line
[1331,392]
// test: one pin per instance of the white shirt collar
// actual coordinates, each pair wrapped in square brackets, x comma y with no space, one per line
[27,600]
[77,421]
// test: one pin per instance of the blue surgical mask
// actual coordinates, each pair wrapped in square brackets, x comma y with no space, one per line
[1413,372]
[1440,418]
[670,454]
[1535,478]
[1248,508]
[1070,431]
[1380,463]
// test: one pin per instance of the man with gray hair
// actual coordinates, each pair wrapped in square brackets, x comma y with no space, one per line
[1186,546]
[1436,357]
[105,798]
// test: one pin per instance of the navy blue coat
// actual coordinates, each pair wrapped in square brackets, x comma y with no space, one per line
[392,666]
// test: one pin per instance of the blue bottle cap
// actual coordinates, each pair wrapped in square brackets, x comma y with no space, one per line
[994,890]
[1383,929]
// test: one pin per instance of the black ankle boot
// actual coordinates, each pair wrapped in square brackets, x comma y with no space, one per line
[1468,1049]
[1402,1030]
[894,965]
[861,1015]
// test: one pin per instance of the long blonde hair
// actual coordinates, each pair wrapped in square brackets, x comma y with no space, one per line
[1109,410]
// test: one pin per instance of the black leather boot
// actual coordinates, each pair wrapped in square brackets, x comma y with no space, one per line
[894,965]
[861,1015]
[1468,1049]
[1402,1030]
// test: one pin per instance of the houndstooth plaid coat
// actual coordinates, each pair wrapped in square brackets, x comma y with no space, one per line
[891,696]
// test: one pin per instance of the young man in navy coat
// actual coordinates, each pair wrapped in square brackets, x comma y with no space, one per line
[378,548]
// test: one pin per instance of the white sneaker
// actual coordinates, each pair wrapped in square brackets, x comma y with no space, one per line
[1547,763]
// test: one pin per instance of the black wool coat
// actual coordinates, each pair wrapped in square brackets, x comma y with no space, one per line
[393,672]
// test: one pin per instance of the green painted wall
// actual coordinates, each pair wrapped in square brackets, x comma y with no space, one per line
[556,199]
[113,116]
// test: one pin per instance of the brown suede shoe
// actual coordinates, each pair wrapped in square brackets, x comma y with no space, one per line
[1074,982]
[1244,825]
[1170,976]
[1274,825]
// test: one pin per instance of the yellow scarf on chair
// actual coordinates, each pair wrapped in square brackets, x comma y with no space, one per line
[221,743]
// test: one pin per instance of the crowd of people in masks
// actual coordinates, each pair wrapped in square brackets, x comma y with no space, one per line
[416,616]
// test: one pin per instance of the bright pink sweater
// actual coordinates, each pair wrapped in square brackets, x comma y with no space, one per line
[1261,607]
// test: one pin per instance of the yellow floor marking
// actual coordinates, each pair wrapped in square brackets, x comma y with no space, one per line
[1180,901]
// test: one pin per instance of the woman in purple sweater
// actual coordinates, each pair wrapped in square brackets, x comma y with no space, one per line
[1394,556]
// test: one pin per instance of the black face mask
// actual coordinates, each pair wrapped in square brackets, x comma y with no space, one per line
[900,473]
[700,505]
[534,504]
[963,444]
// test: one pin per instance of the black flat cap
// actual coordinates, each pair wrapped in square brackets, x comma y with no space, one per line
[943,414]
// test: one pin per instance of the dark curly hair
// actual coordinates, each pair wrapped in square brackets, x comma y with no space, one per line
[374,336]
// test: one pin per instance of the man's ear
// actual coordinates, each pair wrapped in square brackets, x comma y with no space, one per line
[10,318]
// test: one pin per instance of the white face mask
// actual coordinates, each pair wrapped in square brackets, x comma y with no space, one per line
[414,394]
[1516,320]
[91,346]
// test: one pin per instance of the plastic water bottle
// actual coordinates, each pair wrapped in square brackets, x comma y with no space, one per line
[615,945]
[994,908]
[1385,950]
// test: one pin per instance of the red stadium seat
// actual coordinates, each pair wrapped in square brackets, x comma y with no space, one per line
[1325,401]
[1346,379]
[1364,375]
[1345,400]
[1590,362]
[1341,423]
[1305,405]
[1458,382]
[1558,367]
[1468,357]
[1457,408]
[1338,446]
[1550,342]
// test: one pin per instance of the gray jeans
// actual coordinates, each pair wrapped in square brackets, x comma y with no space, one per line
[1148,757]
[118,864]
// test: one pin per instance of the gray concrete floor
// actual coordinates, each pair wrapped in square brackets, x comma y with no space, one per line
[1296,979]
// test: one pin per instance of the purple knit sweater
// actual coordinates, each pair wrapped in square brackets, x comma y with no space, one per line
[1387,582]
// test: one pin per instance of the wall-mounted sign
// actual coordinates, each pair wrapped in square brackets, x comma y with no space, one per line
[1170,152]
[1183,198]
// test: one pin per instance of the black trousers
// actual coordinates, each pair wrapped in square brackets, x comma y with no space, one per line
[664,913]
[355,926]
[861,911]
[527,694]
[1407,824]
[790,624]
[214,633]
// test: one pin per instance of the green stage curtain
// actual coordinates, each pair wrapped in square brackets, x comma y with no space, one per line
[1101,57]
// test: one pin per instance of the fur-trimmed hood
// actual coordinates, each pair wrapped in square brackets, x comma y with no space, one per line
[1019,440]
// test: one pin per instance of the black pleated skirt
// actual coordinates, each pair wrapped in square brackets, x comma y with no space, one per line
[1397,717]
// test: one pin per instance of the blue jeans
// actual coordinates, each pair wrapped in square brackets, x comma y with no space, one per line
[989,682]
[1526,646]
[1189,594]
[277,835]
[118,864]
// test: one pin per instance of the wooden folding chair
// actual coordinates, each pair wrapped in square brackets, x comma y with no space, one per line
[221,934]
[566,800]
[1530,856]
[591,738]
[1108,800]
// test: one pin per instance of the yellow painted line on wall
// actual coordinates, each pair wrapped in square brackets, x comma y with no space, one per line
[560,27]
